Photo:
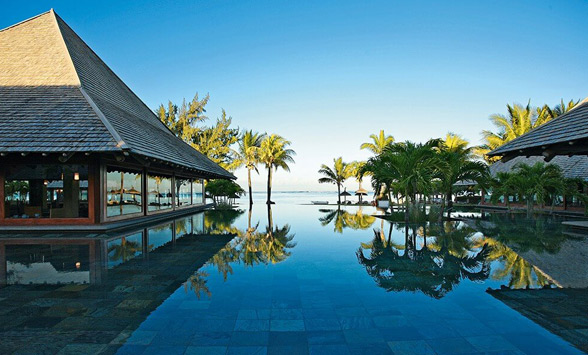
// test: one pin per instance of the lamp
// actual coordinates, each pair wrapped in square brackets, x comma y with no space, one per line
[76,176]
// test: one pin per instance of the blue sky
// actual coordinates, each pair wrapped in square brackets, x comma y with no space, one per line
[328,74]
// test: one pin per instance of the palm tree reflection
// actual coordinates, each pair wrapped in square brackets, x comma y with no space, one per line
[342,219]
[434,269]
[250,247]
[434,258]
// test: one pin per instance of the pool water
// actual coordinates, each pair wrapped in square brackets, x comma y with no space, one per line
[295,279]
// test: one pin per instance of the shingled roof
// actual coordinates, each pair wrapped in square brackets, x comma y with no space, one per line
[57,95]
[571,167]
[564,135]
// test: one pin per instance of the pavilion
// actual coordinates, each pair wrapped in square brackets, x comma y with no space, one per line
[77,147]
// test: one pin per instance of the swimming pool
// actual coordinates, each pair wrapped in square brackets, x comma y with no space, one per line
[294,279]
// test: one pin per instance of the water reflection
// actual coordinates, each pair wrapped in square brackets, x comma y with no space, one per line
[342,219]
[434,258]
[250,247]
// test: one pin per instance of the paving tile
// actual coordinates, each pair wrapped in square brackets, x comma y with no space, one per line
[372,349]
[141,337]
[329,349]
[411,347]
[363,336]
[389,321]
[206,350]
[252,325]
[254,314]
[451,346]
[167,350]
[356,322]
[286,314]
[211,338]
[292,325]
[490,343]
[249,339]
[247,350]
[76,349]
[288,349]
[325,337]
[400,333]
[312,324]
[287,338]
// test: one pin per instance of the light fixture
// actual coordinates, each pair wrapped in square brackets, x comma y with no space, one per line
[78,265]
[46,182]
[76,176]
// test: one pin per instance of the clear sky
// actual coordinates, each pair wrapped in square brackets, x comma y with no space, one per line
[327,74]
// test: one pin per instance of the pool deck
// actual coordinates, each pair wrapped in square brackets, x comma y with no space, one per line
[576,224]
[561,311]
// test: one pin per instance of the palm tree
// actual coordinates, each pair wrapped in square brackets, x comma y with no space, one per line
[407,168]
[355,171]
[337,175]
[247,155]
[275,154]
[538,181]
[379,142]
[455,165]
[454,142]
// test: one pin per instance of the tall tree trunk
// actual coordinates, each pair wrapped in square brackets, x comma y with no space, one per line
[250,193]
[406,203]
[249,219]
[270,218]
[441,210]
[339,194]
[269,185]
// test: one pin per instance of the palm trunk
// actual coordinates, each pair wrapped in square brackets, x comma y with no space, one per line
[249,182]
[406,204]
[442,210]
[269,185]
[339,194]
[270,219]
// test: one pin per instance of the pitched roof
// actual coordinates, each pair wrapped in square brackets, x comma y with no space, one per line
[558,136]
[572,167]
[57,95]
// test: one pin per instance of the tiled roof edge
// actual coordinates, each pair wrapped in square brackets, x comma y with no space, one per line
[27,20]
[505,148]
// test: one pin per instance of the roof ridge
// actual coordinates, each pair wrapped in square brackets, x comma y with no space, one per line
[120,143]
[27,20]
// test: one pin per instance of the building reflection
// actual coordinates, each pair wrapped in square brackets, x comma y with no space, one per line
[54,259]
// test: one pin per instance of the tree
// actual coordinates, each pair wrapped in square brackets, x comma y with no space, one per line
[337,175]
[275,154]
[379,142]
[183,121]
[355,171]
[407,168]
[248,155]
[538,181]
[226,189]
[455,164]
[215,142]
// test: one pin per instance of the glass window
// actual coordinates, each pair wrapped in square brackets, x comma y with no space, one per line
[123,192]
[183,192]
[159,193]
[197,192]
[46,191]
